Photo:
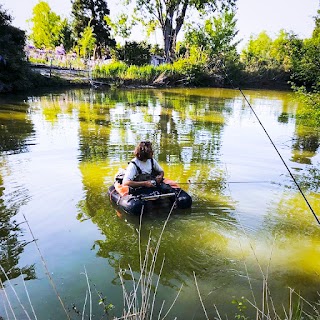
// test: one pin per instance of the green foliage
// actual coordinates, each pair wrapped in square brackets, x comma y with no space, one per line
[115,70]
[305,77]
[309,110]
[144,73]
[121,71]
[191,72]
[241,307]
[214,45]
[14,71]
[133,53]
[284,58]
[66,37]
[121,26]
[106,306]
[257,53]
[48,28]
[171,15]
[156,50]
[181,71]
[306,64]
[268,60]
[87,42]
[84,11]
[285,48]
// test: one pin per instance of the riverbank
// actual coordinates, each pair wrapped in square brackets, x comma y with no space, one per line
[44,76]
[81,77]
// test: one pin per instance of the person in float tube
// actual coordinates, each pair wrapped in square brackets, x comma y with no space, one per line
[143,170]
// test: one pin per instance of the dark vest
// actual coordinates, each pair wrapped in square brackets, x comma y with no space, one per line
[145,176]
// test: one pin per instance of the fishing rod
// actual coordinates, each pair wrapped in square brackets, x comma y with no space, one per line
[212,182]
[273,144]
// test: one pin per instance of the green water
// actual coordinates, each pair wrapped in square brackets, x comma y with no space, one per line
[60,152]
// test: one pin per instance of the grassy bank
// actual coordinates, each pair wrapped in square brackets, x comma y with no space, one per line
[183,72]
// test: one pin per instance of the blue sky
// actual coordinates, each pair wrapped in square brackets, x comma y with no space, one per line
[253,16]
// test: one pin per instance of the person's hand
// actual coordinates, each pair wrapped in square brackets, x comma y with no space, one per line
[159,179]
[148,184]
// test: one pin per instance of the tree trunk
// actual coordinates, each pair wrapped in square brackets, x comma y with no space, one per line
[170,33]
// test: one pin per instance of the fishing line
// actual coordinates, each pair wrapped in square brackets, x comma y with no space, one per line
[279,154]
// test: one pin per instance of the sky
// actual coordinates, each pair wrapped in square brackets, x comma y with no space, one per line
[253,16]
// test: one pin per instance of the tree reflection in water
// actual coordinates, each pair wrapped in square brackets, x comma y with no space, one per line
[15,132]
[186,134]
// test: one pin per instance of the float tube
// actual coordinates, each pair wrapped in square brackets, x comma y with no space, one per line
[135,201]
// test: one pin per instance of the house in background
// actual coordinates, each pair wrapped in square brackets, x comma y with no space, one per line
[157,60]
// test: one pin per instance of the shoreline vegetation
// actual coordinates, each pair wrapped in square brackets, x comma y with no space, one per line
[118,74]
[206,57]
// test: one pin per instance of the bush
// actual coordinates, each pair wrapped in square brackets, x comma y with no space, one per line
[133,53]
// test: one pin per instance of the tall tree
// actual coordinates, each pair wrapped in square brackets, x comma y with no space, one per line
[286,48]
[171,15]
[217,36]
[84,11]
[14,71]
[47,29]
[306,61]
[257,52]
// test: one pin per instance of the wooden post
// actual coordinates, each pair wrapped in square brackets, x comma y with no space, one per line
[50,67]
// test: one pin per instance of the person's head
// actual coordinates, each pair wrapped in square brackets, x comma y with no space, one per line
[143,150]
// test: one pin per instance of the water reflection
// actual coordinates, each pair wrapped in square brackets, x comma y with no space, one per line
[10,238]
[16,131]
[15,128]
[186,132]
[203,139]
[305,147]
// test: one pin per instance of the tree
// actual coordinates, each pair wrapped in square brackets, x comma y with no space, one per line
[213,44]
[121,26]
[84,11]
[66,35]
[171,15]
[134,53]
[87,42]
[47,30]
[14,71]
[217,36]
[284,49]
[257,52]
[306,64]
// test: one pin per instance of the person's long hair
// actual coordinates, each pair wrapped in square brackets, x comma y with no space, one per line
[143,150]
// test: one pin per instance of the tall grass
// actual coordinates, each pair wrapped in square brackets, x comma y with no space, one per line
[115,70]
[183,70]
[139,301]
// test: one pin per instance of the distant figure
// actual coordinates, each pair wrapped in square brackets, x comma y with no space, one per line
[143,170]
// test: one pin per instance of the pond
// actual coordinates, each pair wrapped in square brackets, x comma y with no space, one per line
[251,232]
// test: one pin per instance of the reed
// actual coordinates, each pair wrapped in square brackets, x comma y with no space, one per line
[139,301]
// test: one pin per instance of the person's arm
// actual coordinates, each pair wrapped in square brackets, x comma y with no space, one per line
[160,171]
[136,184]
[129,176]
[159,177]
